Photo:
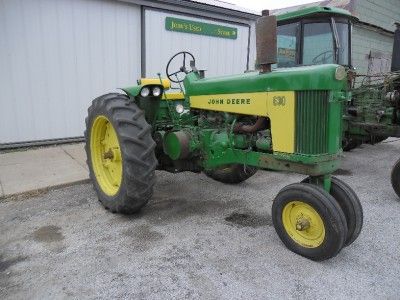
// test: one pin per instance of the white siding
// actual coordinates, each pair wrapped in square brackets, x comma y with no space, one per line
[365,40]
[252,54]
[56,56]
[219,56]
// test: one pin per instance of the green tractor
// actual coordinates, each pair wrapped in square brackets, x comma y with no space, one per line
[229,127]
[322,35]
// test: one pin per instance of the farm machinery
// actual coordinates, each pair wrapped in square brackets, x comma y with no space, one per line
[228,127]
[322,35]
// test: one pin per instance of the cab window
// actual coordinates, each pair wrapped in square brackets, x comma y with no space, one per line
[318,44]
[343,35]
[287,41]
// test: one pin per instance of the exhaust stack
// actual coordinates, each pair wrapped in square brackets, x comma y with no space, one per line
[266,41]
[396,50]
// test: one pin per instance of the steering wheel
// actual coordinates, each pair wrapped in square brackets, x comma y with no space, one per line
[322,57]
[182,69]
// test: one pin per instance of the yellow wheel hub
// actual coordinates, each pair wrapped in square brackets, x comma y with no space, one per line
[303,224]
[106,155]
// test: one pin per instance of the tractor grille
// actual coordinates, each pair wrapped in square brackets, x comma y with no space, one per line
[311,122]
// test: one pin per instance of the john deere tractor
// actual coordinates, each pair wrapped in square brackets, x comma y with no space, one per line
[228,127]
[322,35]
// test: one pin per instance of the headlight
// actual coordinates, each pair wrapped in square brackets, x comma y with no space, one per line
[156,91]
[145,92]
[340,73]
[179,108]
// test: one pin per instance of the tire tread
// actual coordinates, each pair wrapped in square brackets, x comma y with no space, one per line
[137,149]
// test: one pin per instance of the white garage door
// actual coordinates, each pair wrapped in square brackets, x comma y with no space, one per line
[55,56]
[219,56]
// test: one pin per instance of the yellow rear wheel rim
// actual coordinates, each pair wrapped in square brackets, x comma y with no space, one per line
[303,224]
[106,155]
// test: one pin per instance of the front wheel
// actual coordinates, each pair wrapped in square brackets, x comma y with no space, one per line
[350,205]
[309,221]
[120,153]
[395,177]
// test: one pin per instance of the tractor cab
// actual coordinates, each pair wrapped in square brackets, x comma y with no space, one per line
[314,36]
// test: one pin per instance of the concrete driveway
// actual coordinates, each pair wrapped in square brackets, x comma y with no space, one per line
[197,239]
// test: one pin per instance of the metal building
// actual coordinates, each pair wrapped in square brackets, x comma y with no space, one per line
[57,55]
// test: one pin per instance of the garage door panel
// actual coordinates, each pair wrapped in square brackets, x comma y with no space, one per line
[56,56]
[219,56]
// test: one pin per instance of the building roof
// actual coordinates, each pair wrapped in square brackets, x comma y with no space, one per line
[227,5]
[215,6]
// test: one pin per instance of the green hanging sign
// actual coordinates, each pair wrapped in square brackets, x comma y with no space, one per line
[189,26]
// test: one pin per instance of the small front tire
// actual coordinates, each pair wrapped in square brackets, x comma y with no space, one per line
[309,221]
[350,205]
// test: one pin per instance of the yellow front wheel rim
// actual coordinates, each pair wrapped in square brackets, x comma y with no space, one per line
[303,224]
[106,155]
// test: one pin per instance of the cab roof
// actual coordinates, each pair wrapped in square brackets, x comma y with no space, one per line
[314,10]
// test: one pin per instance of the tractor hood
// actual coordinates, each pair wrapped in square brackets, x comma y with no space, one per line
[319,77]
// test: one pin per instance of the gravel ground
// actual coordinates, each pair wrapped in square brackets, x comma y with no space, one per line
[197,239]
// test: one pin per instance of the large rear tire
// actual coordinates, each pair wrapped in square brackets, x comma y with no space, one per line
[231,174]
[309,221]
[349,144]
[120,153]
